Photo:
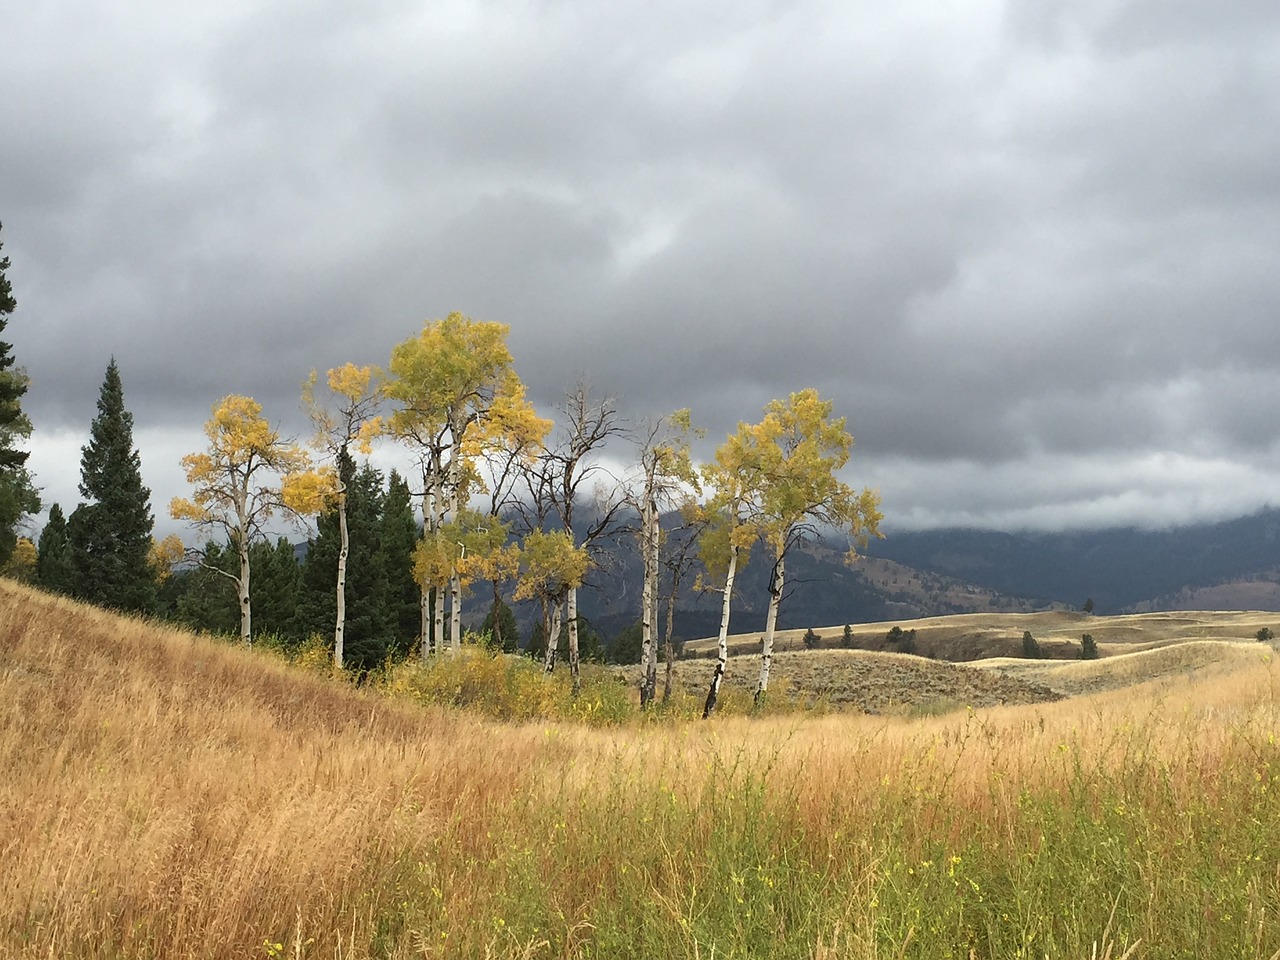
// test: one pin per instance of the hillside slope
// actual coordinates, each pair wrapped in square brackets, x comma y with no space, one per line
[168,797]
[174,796]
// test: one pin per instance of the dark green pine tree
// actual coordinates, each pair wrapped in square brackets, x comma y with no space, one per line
[205,599]
[507,628]
[628,644]
[398,535]
[536,648]
[274,589]
[18,495]
[110,534]
[53,561]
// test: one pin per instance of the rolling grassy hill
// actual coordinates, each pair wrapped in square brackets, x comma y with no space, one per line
[164,795]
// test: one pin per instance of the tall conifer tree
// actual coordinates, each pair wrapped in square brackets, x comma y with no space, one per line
[18,495]
[110,534]
[398,535]
[53,563]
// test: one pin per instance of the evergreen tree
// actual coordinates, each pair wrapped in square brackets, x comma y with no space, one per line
[53,564]
[274,588]
[110,534]
[18,495]
[628,645]
[1088,647]
[537,645]
[206,598]
[846,639]
[398,535]
[507,626]
[1030,646]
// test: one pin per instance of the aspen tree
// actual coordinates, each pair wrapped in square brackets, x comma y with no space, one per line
[678,561]
[347,418]
[233,484]
[551,565]
[564,473]
[505,452]
[666,469]
[727,539]
[798,448]
[446,381]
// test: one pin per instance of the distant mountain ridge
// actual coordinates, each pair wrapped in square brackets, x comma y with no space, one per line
[1120,569]
[1229,565]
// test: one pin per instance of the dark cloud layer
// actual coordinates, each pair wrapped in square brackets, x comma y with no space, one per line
[1029,250]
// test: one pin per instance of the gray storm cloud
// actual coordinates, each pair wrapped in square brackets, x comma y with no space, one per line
[1028,252]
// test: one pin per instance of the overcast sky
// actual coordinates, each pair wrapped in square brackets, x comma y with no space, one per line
[1031,250]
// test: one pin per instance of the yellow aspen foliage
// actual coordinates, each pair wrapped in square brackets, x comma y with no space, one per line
[310,491]
[242,446]
[164,554]
[434,558]
[348,416]
[549,563]
[21,564]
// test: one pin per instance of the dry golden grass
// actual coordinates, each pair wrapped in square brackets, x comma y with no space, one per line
[861,680]
[161,789]
[163,795]
[971,636]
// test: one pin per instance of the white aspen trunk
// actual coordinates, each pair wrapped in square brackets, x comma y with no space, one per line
[722,650]
[425,600]
[771,621]
[437,625]
[571,612]
[653,535]
[344,548]
[668,644]
[242,590]
[455,582]
[428,514]
[455,612]
[553,637]
[646,603]
[437,593]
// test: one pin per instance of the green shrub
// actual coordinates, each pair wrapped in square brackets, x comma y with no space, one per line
[508,687]
[905,640]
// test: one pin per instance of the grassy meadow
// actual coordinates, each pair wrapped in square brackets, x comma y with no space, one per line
[170,796]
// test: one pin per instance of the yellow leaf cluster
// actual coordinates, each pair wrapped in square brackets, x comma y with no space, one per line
[242,444]
[451,368]
[21,564]
[349,416]
[164,554]
[310,491]
[549,563]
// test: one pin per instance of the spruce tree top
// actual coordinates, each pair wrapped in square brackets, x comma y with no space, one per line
[110,469]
